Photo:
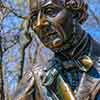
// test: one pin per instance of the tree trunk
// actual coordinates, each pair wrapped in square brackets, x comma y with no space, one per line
[2,97]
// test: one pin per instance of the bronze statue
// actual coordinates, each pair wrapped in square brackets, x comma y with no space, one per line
[74,72]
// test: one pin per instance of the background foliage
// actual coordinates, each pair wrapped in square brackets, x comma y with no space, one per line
[17,40]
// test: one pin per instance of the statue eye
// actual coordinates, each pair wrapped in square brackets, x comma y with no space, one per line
[50,12]
[34,15]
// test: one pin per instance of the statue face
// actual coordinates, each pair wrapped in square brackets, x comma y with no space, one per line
[52,23]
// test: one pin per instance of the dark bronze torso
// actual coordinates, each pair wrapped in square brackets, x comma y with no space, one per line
[71,67]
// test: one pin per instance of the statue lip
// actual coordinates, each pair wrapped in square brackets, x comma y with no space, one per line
[57,43]
[56,40]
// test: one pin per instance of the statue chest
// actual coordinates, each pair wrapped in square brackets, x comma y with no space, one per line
[72,74]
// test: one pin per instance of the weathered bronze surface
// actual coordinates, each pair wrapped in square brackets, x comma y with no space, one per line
[74,72]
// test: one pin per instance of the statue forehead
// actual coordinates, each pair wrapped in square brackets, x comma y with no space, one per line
[42,3]
[46,2]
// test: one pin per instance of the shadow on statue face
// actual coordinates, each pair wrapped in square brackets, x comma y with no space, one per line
[53,25]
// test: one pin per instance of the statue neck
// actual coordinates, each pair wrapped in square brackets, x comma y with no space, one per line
[80,44]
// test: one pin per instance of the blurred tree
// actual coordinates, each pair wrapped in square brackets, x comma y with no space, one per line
[17,39]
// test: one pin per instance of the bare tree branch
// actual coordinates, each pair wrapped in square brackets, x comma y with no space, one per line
[94,15]
[13,11]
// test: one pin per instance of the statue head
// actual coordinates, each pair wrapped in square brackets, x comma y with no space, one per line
[54,22]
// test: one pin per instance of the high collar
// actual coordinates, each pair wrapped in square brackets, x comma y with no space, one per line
[82,47]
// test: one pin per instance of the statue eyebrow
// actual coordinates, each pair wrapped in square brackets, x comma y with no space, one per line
[47,3]
[52,5]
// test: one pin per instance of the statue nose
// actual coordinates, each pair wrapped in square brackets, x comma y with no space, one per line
[41,22]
